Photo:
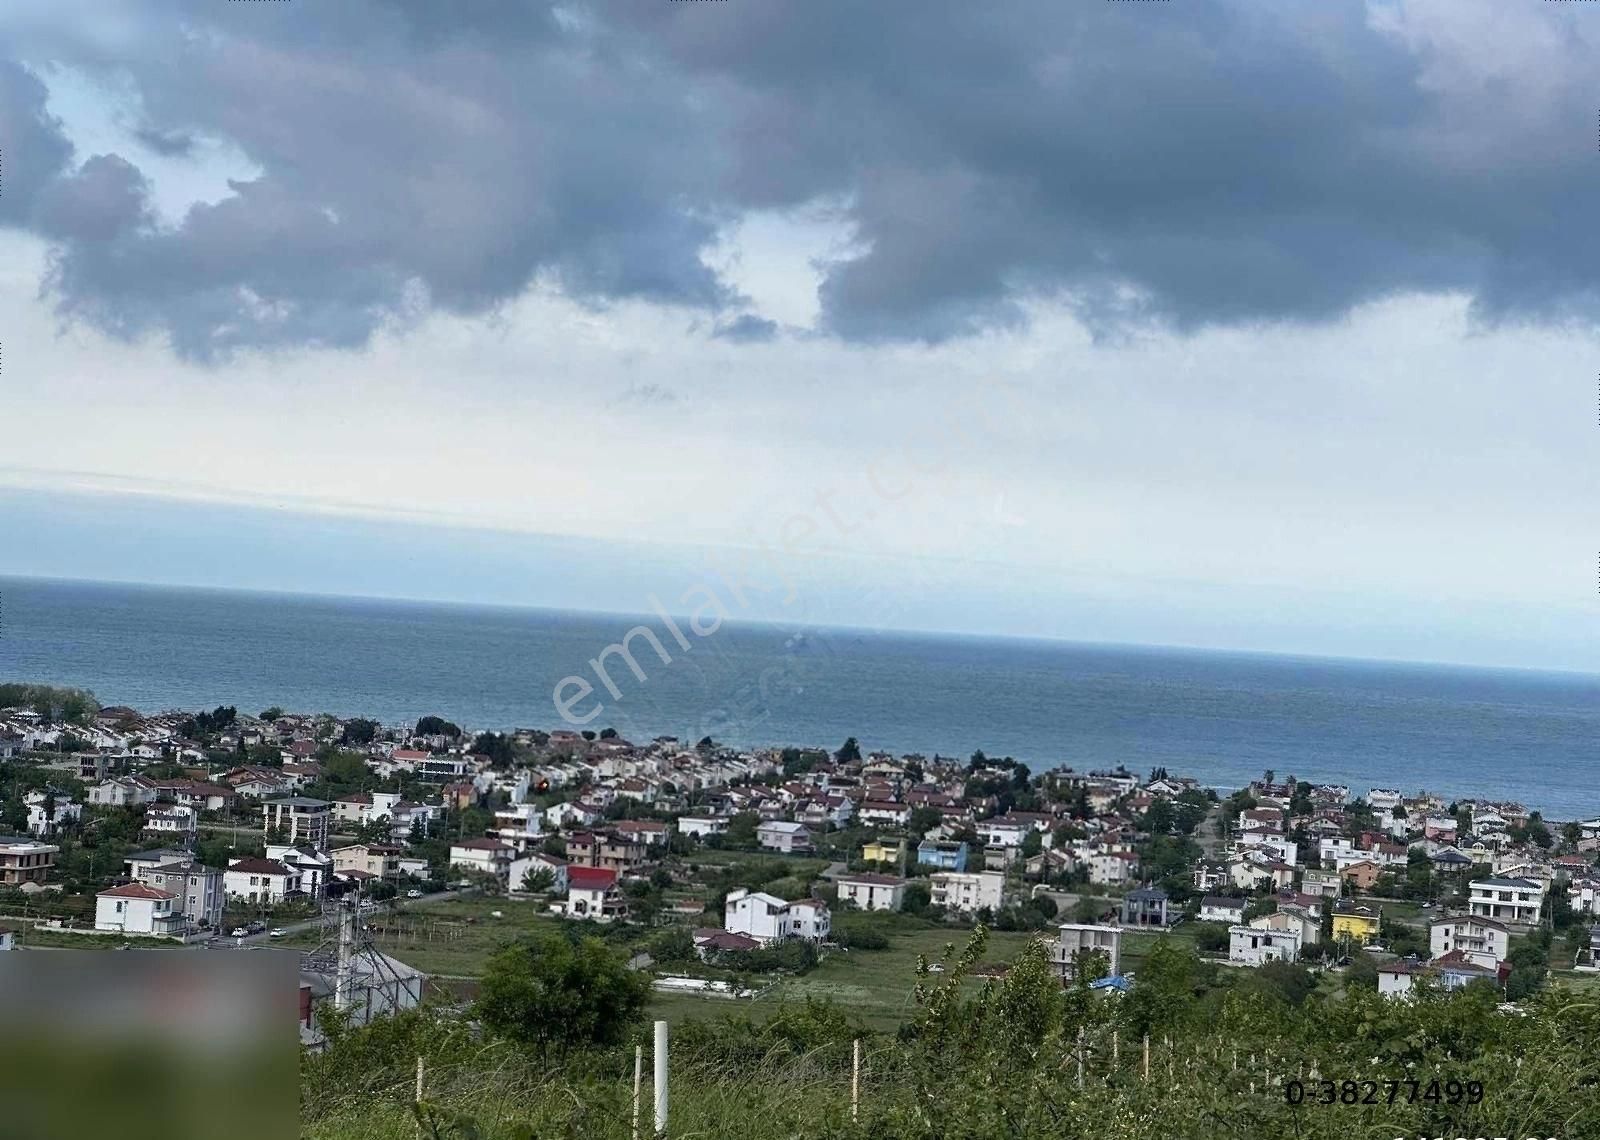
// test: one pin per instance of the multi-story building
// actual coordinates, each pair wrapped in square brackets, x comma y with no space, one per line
[171,823]
[25,860]
[301,819]
[136,908]
[600,849]
[1256,946]
[870,891]
[1075,938]
[1146,906]
[769,919]
[1481,940]
[198,888]
[1515,901]
[380,859]
[489,856]
[260,880]
[592,894]
[968,891]
[943,854]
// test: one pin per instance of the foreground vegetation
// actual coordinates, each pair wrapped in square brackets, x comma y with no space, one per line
[1001,1057]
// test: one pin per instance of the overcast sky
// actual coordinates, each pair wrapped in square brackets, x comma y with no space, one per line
[1263,326]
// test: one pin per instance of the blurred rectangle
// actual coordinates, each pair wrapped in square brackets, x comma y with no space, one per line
[137,1044]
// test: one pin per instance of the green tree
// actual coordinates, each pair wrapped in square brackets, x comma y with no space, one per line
[1162,998]
[553,993]
[849,752]
[537,880]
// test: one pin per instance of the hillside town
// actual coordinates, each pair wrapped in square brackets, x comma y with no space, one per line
[230,830]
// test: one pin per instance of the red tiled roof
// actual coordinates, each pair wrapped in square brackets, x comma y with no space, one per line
[136,891]
[591,878]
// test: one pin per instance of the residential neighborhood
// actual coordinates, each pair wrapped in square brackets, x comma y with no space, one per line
[769,863]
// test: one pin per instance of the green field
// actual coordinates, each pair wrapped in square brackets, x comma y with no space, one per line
[452,938]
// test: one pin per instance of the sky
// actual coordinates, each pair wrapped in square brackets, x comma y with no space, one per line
[1213,323]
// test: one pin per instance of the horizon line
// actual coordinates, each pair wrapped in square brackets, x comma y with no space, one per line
[529,607]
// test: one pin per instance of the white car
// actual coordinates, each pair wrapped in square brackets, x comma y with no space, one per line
[413,893]
[280,932]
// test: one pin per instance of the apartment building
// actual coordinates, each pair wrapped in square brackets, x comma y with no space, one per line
[25,860]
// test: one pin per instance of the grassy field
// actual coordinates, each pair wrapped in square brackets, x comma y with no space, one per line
[456,937]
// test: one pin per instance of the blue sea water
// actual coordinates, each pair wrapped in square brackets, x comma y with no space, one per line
[1224,717]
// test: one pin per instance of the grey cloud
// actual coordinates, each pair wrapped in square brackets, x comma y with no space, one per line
[33,151]
[169,144]
[1211,162]
[747,328]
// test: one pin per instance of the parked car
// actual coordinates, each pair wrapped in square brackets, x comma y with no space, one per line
[279,932]
[238,932]
[413,893]
[257,927]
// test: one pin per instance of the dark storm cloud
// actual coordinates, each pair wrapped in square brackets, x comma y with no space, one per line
[1205,162]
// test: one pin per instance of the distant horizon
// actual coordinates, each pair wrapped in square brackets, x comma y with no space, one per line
[931,633]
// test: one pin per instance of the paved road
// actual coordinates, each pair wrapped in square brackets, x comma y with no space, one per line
[321,920]
[1212,832]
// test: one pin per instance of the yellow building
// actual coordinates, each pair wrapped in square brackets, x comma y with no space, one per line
[1357,923]
[883,850]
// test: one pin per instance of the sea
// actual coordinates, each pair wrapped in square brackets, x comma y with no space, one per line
[1220,716]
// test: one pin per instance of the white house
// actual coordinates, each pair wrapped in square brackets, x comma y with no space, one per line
[701,826]
[43,824]
[260,880]
[172,822]
[1216,908]
[123,791]
[871,891]
[1507,900]
[1480,940]
[780,835]
[1255,946]
[517,871]
[490,856]
[592,894]
[137,908]
[1113,868]
[968,891]
[1451,972]
[521,825]
[300,818]
[312,865]
[769,919]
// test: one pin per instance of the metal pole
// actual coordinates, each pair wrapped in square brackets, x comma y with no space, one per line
[1147,1056]
[419,1079]
[1080,1056]
[855,1080]
[638,1077]
[661,1078]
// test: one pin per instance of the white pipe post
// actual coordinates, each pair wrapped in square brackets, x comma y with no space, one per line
[638,1079]
[855,1080]
[419,1078]
[661,1078]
